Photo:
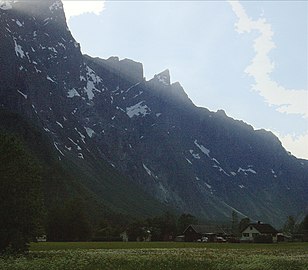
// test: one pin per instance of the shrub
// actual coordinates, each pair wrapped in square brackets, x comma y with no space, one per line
[263,238]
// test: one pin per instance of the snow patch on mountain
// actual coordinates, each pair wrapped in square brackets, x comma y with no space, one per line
[34,109]
[74,111]
[92,75]
[138,110]
[37,70]
[62,45]
[221,169]
[89,131]
[188,161]
[147,169]
[78,147]
[89,90]
[196,156]
[274,173]
[208,185]
[81,135]
[59,124]
[18,49]
[206,151]
[202,148]
[50,79]
[163,79]
[52,49]
[56,146]
[164,192]
[24,95]
[245,171]
[92,80]
[72,93]
[19,23]
[215,160]
[55,6]
[137,95]
[149,172]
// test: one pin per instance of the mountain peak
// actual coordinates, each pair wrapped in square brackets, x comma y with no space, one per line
[46,10]
[163,77]
[128,68]
[5,5]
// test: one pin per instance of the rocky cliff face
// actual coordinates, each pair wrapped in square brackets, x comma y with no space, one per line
[102,115]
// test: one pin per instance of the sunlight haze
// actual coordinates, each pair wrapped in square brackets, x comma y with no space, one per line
[248,58]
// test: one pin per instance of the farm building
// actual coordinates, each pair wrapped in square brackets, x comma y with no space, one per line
[195,232]
[253,231]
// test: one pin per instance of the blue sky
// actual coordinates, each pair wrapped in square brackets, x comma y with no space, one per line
[248,58]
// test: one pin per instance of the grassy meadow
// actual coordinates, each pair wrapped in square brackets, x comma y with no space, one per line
[133,256]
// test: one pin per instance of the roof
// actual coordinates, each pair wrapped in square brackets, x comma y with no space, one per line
[205,229]
[262,228]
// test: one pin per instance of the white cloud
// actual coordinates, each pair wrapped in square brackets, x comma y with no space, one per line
[290,101]
[76,8]
[297,145]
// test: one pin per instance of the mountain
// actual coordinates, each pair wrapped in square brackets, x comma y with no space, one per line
[133,146]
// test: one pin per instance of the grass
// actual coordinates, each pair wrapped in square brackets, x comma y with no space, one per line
[154,256]
[153,245]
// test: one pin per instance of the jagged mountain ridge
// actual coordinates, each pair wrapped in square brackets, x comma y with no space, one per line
[103,111]
[34,59]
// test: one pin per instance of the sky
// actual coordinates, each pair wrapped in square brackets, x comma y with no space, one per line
[249,58]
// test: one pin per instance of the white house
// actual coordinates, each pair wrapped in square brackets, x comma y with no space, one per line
[254,229]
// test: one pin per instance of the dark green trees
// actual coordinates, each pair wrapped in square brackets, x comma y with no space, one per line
[68,222]
[289,226]
[305,228]
[21,204]
[243,224]
[184,221]
[235,224]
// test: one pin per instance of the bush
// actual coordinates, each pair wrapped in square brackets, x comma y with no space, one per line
[263,238]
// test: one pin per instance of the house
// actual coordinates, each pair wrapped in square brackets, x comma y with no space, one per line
[256,230]
[194,232]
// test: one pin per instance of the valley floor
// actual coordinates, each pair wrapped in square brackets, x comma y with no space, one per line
[96,256]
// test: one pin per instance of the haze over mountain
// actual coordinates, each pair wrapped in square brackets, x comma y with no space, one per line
[136,147]
[250,44]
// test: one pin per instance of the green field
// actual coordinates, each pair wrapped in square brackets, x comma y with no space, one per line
[188,256]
